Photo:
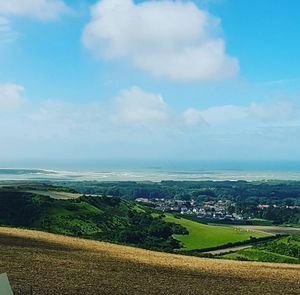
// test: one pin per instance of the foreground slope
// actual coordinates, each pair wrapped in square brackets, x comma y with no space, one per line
[55,264]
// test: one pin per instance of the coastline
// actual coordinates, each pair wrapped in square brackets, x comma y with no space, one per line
[154,175]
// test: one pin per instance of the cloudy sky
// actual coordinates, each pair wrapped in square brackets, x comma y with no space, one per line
[202,79]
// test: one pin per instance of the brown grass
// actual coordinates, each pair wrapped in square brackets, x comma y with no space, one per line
[59,265]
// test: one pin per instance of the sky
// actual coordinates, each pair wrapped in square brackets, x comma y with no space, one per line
[124,79]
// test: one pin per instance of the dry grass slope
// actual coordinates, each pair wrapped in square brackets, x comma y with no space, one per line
[56,264]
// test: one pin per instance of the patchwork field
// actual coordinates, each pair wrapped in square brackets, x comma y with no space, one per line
[253,254]
[55,264]
[284,250]
[58,195]
[202,236]
[272,229]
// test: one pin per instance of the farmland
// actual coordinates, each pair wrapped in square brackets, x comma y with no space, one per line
[55,264]
[202,236]
[284,250]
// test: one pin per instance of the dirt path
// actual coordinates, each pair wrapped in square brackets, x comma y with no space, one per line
[226,250]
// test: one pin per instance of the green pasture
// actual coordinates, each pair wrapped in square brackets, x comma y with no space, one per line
[202,236]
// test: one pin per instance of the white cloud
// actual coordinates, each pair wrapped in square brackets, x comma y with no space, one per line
[262,113]
[174,40]
[276,112]
[140,124]
[132,107]
[133,113]
[39,9]
[136,106]
[7,34]
[11,96]
[193,117]
[223,114]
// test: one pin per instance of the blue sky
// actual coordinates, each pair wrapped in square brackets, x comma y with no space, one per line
[206,79]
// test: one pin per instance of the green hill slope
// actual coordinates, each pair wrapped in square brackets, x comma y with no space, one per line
[110,219]
[100,218]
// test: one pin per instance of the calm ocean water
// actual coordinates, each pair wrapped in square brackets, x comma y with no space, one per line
[143,170]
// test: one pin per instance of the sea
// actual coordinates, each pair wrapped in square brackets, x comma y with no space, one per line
[149,170]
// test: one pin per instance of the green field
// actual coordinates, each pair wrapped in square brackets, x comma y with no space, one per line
[202,236]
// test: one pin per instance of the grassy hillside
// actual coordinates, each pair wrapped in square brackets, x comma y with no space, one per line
[202,236]
[55,264]
[99,218]
[59,210]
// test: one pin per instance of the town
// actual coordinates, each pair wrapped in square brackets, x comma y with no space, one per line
[217,210]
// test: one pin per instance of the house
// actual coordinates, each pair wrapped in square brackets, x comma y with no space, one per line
[263,206]
[175,208]
[142,200]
